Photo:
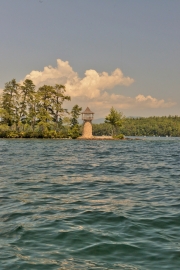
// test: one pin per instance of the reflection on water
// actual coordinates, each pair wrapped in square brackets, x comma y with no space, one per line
[68,204]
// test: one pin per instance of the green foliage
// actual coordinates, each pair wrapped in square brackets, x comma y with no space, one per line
[75,113]
[58,98]
[74,132]
[27,113]
[115,119]
[102,129]
[150,126]
[4,129]
[119,136]
[27,101]
[10,109]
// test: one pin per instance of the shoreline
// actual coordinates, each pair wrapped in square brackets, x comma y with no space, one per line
[98,138]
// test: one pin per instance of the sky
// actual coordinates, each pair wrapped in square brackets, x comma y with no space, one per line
[120,53]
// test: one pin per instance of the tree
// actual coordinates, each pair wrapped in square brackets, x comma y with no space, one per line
[75,113]
[10,106]
[27,96]
[75,128]
[44,103]
[58,97]
[115,119]
[27,109]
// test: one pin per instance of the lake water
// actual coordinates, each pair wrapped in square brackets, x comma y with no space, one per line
[68,204]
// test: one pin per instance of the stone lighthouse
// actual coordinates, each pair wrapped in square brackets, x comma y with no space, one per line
[87,117]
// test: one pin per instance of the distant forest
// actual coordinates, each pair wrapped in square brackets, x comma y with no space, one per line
[143,126]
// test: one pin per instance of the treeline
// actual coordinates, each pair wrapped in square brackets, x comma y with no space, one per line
[142,126]
[27,112]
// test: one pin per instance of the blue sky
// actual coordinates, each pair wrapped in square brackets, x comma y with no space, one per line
[136,44]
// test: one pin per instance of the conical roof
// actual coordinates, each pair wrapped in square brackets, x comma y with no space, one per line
[87,110]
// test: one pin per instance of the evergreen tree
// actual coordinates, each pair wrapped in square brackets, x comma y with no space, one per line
[28,102]
[75,113]
[115,119]
[75,128]
[10,103]
[58,98]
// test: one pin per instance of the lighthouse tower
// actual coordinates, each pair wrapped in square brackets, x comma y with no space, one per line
[87,117]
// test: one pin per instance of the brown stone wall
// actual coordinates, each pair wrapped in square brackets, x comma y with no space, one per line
[87,129]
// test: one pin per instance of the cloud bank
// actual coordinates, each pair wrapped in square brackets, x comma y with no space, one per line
[94,89]
[91,86]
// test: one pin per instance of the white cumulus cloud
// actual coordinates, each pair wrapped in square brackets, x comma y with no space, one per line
[151,102]
[90,86]
[103,103]
[92,90]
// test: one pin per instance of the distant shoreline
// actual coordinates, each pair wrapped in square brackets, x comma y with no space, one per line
[107,138]
[98,138]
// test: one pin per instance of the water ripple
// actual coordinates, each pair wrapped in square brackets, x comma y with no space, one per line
[89,204]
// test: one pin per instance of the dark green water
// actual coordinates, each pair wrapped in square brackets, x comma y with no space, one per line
[67,204]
